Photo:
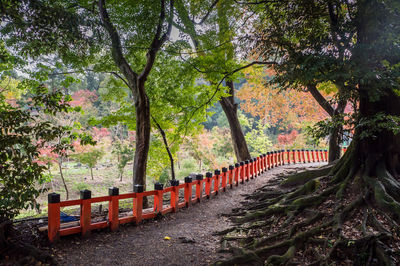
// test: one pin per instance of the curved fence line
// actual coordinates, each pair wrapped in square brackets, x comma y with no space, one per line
[193,191]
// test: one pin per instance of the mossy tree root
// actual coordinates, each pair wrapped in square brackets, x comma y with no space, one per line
[379,193]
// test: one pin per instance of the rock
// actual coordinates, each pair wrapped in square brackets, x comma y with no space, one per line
[184,239]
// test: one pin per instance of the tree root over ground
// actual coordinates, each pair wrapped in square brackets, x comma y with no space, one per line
[335,214]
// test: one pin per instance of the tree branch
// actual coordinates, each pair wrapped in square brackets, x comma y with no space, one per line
[117,54]
[158,41]
[207,14]
[91,70]
[321,99]
[171,158]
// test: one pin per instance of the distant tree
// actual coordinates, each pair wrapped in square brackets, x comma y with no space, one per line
[214,56]
[283,110]
[124,154]
[90,157]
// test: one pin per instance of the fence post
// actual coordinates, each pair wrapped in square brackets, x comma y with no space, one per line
[237,173]
[255,171]
[288,156]
[271,161]
[217,173]
[303,154]
[113,208]
[308,156]
[86,211]
[224,173]
[138,202]
[250,171]
[53,222]
[265,162]
[247,170]
[317,155]
[326,155]
[242,171]
[268,160]
[279,160]
[231,172]
[174,195]
[188,190]
[255,167]
[199,187]
[208,184]
[259,165]
[158,197]
[312,156]
[321,154]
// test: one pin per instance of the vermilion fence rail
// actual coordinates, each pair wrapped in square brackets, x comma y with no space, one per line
[203,188]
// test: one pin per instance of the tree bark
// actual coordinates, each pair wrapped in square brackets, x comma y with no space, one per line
[238,140]
[142,139]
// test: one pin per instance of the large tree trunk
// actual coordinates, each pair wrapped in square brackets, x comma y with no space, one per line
[230,108]
[382,146]
[143,127]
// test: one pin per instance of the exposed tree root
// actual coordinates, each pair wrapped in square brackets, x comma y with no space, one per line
[343,212]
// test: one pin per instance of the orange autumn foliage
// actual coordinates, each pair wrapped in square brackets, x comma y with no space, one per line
[282,109]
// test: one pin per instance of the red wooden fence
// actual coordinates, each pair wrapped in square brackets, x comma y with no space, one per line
[228,177]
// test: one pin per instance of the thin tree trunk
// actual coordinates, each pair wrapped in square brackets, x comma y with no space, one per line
[91,172]
[171,158]
[51,177]
[62,177]
[335,137]
[230,109]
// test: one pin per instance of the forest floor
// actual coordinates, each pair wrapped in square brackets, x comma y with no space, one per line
[191,232]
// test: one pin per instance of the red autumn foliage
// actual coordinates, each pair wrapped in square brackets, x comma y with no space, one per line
[287,139]
[83,97]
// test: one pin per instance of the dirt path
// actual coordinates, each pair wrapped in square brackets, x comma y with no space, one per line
[145,245]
